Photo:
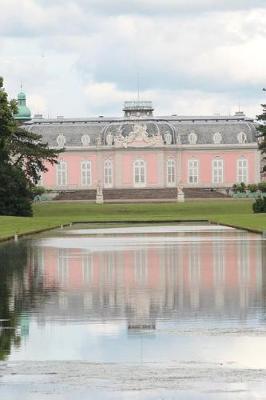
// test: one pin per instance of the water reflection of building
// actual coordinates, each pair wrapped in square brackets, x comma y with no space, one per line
[144,284]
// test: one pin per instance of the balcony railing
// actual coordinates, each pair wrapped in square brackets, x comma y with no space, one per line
[138,105]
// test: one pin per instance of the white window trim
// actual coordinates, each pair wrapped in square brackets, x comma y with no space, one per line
[198,169]
[173,183]
[59,173]
[221,181]
[88,181]
[238,178]
[139,184]
[108,184]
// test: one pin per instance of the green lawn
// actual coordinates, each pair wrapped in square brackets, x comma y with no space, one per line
[48,215]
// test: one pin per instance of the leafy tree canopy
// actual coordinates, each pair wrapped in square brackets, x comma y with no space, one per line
[23,157]
[262,133]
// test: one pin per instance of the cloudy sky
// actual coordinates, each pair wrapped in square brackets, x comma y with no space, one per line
[83,57]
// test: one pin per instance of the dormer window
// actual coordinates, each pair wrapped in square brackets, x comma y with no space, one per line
[85,140]
[168,138]
[61,140]
[217,138]
[109,139]
[192,138]
[242,138]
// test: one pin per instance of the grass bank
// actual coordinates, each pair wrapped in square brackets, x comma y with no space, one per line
[48,215]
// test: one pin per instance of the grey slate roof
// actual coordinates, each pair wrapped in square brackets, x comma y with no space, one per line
[179,128]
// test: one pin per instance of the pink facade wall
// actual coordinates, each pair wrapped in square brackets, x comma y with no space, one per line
[127,171]
[156,166]
[152,169]
[229,158]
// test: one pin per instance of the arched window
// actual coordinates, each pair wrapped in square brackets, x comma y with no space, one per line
[108,173]
[242,138]
[85,140]
[242,170]
[109,139]
[217,171]
[192,138]
[61,173]
[168,138]
[61,140]
[217,138]
[85,173]
[193,171]
[139,173]
[171,172]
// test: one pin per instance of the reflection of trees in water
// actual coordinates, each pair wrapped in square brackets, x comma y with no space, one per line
[13,262]
[21,288]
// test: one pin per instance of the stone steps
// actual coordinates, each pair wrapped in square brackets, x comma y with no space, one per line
[138,194]
[203,194]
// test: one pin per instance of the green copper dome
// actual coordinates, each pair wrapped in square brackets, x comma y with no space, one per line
[24,113]
[21,96]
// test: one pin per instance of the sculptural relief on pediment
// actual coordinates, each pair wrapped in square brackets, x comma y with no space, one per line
[138,137]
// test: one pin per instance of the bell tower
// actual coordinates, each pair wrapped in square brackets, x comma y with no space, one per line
[23,113]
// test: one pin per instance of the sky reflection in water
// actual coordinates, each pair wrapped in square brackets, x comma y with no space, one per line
[163,295]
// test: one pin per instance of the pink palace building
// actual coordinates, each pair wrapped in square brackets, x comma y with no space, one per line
[142,151]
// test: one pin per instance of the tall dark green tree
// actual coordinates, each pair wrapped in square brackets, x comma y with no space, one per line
[23,157]
[262,135]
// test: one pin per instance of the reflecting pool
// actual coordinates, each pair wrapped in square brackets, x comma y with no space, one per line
[138,312]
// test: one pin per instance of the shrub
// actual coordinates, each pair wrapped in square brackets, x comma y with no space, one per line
[262,187]
[38,190]
[234,188]
[239,187]
[252,188]
[242,187]
[15,192]
[260,205]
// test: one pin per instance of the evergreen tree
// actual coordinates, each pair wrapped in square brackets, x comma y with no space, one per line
[23,157]
[262,135]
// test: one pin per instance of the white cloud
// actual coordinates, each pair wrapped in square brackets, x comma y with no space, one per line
[28,18]
[106,96]
[38,104]
[160,7]
[82,57]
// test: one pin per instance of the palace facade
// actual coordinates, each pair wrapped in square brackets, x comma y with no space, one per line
[140,150]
